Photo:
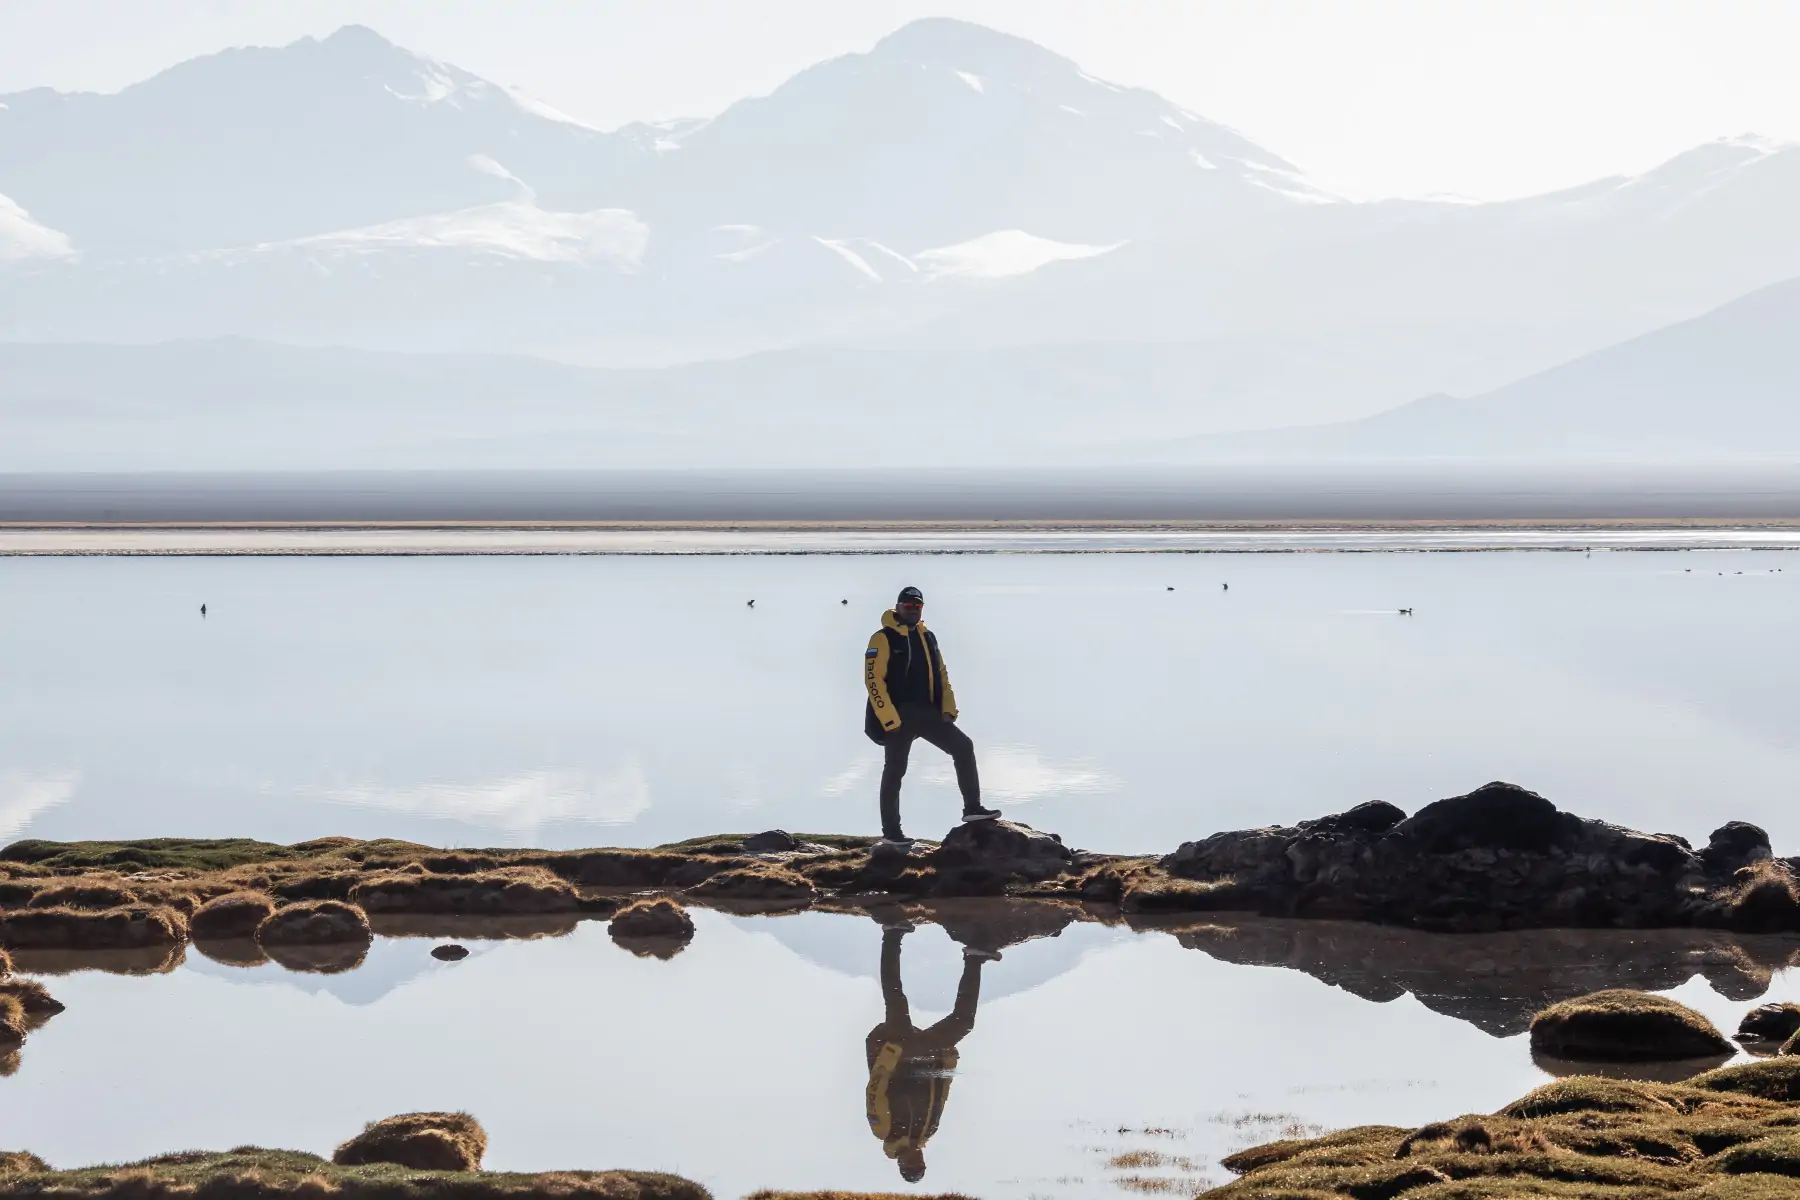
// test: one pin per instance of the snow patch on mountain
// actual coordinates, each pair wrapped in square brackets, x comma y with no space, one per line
[548,112]
[1004,254]
[850,256]
[973,81]
[514,229]
[22,238]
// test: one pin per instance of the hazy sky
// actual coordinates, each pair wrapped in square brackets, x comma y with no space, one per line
[1485,98]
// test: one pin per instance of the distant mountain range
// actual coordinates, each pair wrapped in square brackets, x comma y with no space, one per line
[957,223]
[1723,385]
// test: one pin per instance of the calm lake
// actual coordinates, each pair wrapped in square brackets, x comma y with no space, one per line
[1098,1061]
[564,701]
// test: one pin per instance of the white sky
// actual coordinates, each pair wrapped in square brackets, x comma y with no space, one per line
[1485,98]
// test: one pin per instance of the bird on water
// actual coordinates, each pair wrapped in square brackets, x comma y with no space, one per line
[752,604]
[203,610]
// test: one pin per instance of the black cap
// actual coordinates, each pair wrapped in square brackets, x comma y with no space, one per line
[910,595]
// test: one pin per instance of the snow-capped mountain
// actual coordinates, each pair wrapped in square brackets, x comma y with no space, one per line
[953,189]
[22,238]
[946,132]
[260,145]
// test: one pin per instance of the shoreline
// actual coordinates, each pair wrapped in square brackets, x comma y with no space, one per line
[881,538]
[1498,858]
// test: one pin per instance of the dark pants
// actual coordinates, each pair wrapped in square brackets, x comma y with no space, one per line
[924,721]
[947,1032]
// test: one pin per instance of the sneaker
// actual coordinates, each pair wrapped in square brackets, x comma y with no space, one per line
[977,953]
[980,814]
[901,843]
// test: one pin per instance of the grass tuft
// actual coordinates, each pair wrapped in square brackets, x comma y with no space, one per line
[1620,1025]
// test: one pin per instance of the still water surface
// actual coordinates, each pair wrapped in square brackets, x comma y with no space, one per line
[615,700]
[1098,1061]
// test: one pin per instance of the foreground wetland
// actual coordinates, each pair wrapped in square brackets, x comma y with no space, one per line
[721,1014]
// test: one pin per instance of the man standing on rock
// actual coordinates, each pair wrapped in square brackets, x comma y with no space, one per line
[909,698]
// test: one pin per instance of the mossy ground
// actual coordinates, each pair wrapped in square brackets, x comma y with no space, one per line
[1621,1025]
[1730,1134]
[249,1173]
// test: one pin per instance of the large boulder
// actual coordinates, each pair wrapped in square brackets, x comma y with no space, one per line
[429,1141]
[1735,844]
[1002,850]
[1619,1025]
[1770,1023]
[772,841]
[1496,816]
[1372,816]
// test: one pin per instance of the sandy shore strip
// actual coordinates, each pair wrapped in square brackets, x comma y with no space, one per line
[874,538]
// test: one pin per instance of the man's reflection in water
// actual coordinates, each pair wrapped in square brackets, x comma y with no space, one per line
[910,1068]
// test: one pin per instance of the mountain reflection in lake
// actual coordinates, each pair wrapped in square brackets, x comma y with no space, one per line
[842,1050]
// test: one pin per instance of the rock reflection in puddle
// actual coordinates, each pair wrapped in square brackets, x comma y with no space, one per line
[843,1049]
[1668,1071]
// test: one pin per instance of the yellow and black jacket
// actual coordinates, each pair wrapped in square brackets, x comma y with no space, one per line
[902,665]
[909,1080]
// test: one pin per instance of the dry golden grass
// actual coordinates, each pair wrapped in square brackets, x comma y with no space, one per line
[1731,1134]
[1620,1025]
[83,929]
[33,997]
[250,1173]
[313,923]
[233,915]
[13,1023]
[504,891]
[427,1141]
[652,919]
[1764,898]
[759,882]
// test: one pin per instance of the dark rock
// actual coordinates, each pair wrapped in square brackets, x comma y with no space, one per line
[450,953]
[1498,858]
[1733,845]
[1373,816]
[1492,817]
[990,924]
[771,842]
[1770,1022]
[1003,849]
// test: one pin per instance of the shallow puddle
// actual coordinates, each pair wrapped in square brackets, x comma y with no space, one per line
[1091,1059]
